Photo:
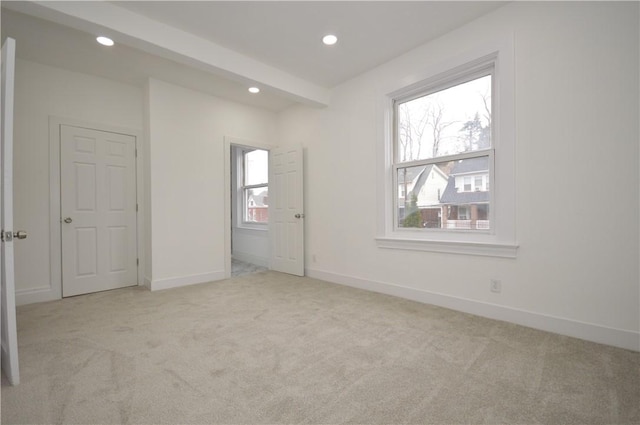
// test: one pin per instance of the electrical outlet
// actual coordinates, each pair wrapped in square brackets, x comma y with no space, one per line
[496,286]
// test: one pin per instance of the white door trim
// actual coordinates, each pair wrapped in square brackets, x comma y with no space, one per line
[228,141]
[55,242]
[9,343]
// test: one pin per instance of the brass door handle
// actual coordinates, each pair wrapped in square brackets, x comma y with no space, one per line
[68,220]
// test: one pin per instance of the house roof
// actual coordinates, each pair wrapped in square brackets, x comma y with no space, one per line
[466,166]
[421,178]
[412,173]
[452,196]
[258,198]
[424,175]
[471,165]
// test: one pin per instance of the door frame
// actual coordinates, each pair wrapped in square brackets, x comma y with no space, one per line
[228,142]
[55,227]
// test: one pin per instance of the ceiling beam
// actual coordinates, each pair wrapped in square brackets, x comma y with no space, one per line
[134,30]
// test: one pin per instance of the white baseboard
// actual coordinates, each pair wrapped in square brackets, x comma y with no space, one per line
[176,282]
[250,258]
[629,340]
[36,295]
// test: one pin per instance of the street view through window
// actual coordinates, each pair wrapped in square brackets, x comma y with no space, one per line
[453,123]
[256,186]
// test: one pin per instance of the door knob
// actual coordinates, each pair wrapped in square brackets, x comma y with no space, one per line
[68,220]
[299,216]
[20,234]
[8,235]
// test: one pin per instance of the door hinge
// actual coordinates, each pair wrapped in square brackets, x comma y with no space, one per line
[136,152]
[6,236]
[137,261]
[136,207]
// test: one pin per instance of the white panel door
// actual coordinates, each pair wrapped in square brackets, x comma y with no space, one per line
[98,210]
[8,295]
[286,213]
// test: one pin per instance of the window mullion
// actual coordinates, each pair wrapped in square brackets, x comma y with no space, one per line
[456,157]
[255,186]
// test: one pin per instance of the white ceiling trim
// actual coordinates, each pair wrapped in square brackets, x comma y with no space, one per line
[154,37]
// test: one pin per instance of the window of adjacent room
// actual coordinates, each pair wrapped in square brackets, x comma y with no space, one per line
[254,189]
[444,154]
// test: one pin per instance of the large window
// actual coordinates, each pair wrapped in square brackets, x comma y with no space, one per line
[254,190]
[447,176]
[443,154]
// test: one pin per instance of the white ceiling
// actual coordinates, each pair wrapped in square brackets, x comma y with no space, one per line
[51,44]
[288,35]
[283,36]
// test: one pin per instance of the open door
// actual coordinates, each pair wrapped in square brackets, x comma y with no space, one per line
[286,212]
[8,295]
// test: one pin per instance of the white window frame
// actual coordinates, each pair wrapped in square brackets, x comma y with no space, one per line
[500,240]
[464,183]
[478,187]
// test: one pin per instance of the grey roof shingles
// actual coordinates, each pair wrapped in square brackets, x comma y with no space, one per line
[466,166]
[471,165]
[452,196]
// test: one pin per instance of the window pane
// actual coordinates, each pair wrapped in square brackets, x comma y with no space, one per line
[478,183]
[256,205]
[441,195]
[447,122]
[467,184]
[256,167]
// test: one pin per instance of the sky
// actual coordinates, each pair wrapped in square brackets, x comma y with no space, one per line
[459,104]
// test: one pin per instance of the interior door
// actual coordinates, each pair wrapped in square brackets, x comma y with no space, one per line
[8,296]
[98,210]
[286,212]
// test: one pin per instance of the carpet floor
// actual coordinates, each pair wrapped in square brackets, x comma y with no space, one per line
[269,348]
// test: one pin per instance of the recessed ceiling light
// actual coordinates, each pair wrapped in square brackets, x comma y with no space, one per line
[105,41]
[329,39]
[254,90]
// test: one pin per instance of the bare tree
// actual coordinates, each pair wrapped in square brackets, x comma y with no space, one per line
[486,100]
[411,127]
[436,115]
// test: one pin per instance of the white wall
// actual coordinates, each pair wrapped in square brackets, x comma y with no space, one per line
[186,154]
[183,153]
[40,92]
[251,246]
[576,96]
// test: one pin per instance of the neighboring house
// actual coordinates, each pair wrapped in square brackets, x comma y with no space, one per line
[465,201]
[426,188]
[406,181]
[258,207]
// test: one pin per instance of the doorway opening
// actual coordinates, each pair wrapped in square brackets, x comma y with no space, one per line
[249,230]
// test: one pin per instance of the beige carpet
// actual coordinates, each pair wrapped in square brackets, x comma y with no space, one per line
[272,348]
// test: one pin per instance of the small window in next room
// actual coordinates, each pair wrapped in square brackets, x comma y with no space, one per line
[254,186]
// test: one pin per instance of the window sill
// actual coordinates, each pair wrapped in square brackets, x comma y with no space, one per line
[450,247]
[258,227]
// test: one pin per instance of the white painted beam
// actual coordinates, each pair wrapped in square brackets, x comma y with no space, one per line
[169,42]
